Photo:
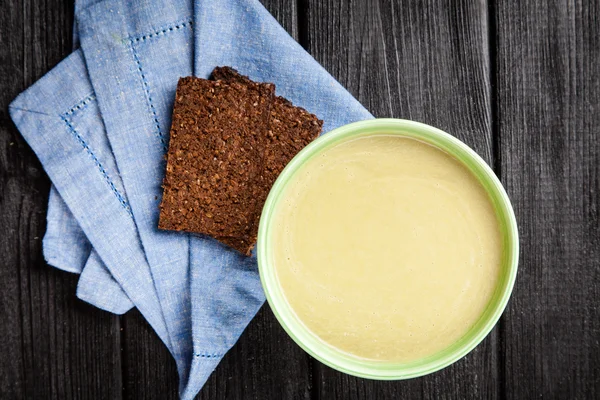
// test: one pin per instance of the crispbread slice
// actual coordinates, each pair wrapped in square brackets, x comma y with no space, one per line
[216,157]
[291,128]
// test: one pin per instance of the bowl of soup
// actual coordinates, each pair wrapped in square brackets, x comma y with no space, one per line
[387,249]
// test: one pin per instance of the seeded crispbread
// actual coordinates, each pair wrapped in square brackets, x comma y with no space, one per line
[216,158]
[250,145]
[291,128]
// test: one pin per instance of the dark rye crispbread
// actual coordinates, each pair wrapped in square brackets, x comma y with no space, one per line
[291,128]
[213,119]
[216,158]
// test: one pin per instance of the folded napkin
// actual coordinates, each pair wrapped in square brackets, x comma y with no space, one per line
[99,122]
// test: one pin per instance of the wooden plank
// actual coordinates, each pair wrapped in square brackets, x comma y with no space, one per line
[53,345]
[548,97]
[149,371]
[264,364]
[426,61]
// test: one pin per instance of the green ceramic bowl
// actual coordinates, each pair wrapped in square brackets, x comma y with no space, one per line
[378,369]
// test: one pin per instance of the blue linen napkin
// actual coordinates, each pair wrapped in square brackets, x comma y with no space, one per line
[102,145]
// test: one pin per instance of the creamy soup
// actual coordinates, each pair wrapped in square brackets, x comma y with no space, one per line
[386,248]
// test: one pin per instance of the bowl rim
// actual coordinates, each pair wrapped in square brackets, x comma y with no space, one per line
[382,370]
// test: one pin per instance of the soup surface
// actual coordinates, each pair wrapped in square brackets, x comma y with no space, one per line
[386,248]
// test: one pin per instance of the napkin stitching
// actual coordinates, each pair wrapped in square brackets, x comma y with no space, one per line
[147,90]
[162,32]
[80,107]
[132,42]
[209,355]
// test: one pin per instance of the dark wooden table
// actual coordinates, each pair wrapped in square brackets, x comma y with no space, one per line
[519,81]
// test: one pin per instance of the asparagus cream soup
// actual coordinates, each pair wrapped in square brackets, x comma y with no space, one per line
[386,248]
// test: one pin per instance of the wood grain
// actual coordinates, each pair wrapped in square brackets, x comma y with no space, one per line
[149,371]
[548,96]
[426,61]
[53,346]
